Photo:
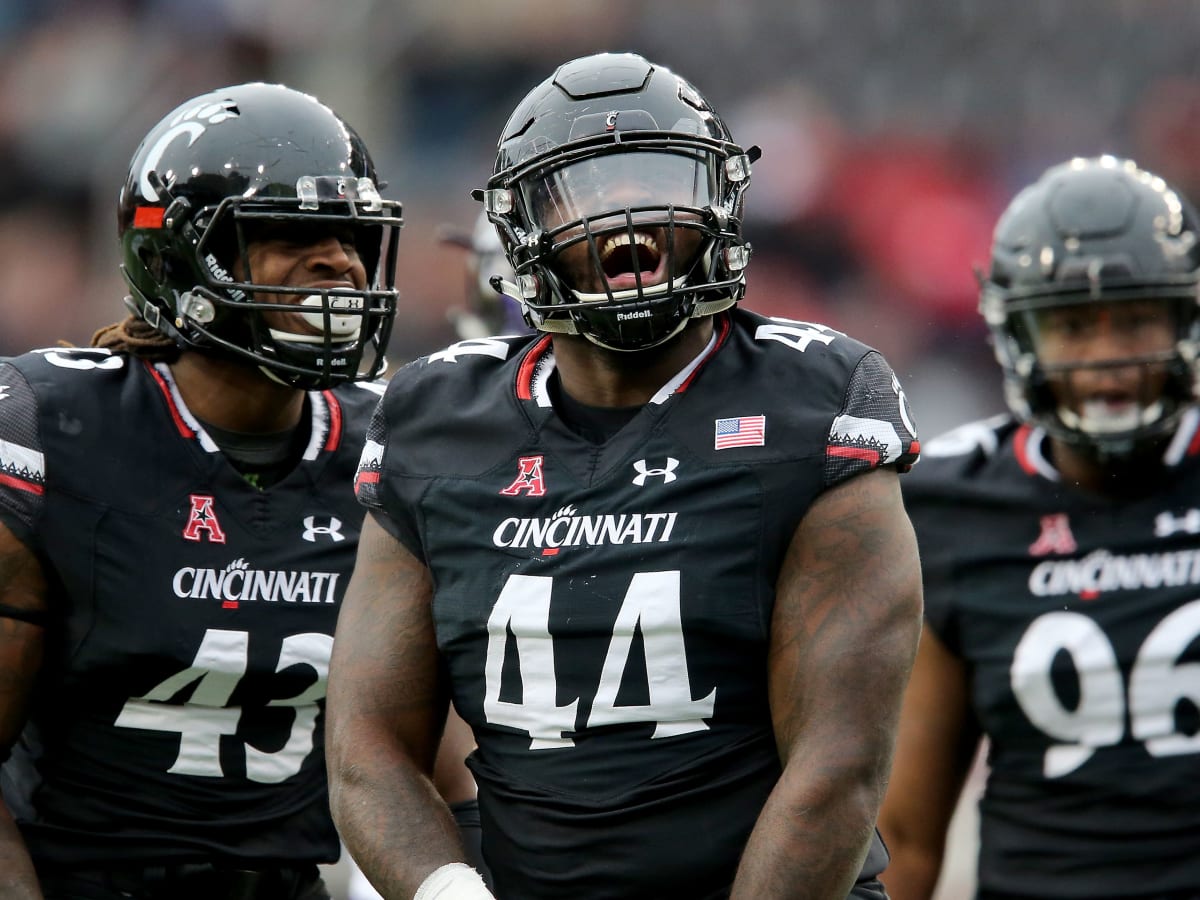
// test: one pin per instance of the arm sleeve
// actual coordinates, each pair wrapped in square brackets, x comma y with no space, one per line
[875,427]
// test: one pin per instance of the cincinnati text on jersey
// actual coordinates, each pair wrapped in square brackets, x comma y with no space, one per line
[566,529]
[1101,571]
[237,582]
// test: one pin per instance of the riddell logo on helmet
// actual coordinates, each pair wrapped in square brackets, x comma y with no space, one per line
[625,317]
[221,274]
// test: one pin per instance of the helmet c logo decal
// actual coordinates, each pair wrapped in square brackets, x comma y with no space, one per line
[193,129]
[213,113]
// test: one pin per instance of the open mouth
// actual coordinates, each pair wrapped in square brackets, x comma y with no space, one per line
[624,260]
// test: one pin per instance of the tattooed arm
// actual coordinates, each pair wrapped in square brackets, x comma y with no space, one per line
[843,636]
[385,709]
[22,593]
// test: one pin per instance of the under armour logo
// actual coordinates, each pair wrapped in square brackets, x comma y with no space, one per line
[1056,536]
[203,520]
[4,391]
[644,471]
[333,530]
[1166,524]
[529,480]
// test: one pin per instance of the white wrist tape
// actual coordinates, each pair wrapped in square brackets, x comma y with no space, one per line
[453,881]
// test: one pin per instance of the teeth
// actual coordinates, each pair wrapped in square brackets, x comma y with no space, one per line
[617,241]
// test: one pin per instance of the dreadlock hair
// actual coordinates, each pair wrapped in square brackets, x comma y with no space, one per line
[136,336]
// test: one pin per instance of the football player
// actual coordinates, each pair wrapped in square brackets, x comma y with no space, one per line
[643,550]
[488,310]
[177,519]
[1059,546]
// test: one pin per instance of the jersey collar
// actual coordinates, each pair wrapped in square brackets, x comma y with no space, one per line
[325,432]
[533,375]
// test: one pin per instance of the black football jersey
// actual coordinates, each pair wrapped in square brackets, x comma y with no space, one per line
[603,608]
[1078,618]
[180,713]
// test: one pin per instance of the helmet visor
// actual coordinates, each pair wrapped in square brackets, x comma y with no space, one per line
[1104,334]
[606,185]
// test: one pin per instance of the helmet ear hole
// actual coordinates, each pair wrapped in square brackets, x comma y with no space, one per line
[153,263]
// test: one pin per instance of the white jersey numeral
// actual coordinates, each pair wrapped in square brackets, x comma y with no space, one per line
[524,607]
[797,335]
[1158,682]
[495,347]
[651,606]
[82,358]
[204,717]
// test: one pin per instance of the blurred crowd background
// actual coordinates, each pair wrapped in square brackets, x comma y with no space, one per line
[893,131]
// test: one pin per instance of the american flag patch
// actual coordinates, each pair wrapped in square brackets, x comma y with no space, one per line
[743,431]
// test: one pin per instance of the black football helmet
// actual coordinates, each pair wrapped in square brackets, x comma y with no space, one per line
[212,174]
[626,157]
[1094,231]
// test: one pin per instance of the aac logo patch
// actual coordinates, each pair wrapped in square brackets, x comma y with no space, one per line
[529,480]
[202,520]
[1056,537]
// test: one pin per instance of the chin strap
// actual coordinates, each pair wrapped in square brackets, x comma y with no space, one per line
[152,316]
[712,307]
[558,326]
[704,308]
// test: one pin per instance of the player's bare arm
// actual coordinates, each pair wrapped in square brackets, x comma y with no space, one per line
[843,636]
[22,592]
[386,705]
[451,776]
[935,745]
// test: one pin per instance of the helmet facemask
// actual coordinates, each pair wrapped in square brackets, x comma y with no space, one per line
[230,311]
[1112,404]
